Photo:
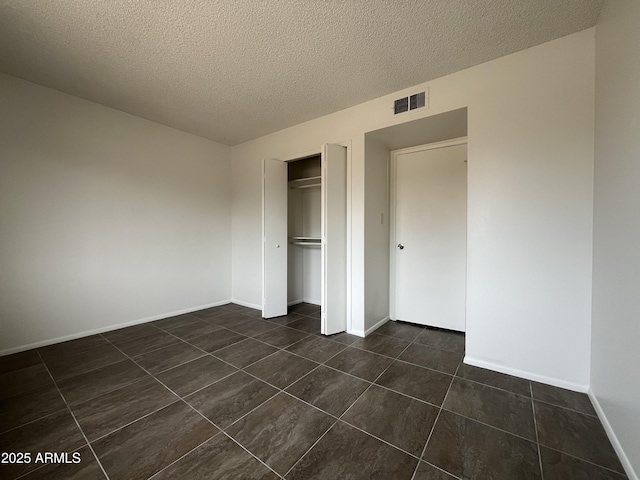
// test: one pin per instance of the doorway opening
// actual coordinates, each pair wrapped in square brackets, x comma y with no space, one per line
[380,266]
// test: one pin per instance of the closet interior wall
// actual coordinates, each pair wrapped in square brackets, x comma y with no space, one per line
[304,229]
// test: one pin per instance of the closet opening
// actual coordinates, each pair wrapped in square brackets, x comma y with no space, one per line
[304,224]
[304,228]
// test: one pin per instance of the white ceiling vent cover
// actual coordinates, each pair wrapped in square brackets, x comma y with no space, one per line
[412,102]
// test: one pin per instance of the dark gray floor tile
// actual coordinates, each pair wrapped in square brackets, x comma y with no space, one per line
[252,327]
[179,321]
[469,449]
[382,344]
[304,308]
[168,357]
[100,381]
[226,401]
[345,452]
[209,313]
[563,398]
[24,380]
[430,357]
[495,379]
[314,315]
[192,330]
[106,413]
[577,434]
[86,469]
[245,353]
[189,377]
[285,319]
[316,348]
[65,365]
[329,390]
[281,369]
[228,320]
[422,383]
[498,408]
[73,347]
[211,342]
[280,431]
[235,308]
[443,339]
[344,338]
[402,330]
[429,472]
[395,418]
[17,361]
[306,324]
[55,433]
[219,458]
[281,337]
[360,363]
[558,466]
[148,343]
[130,333]
[141,449]
[26,407]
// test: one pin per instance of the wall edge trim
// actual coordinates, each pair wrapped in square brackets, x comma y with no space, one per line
[246,304]
[376,326]
[109,328]
[556,382]
[617,446]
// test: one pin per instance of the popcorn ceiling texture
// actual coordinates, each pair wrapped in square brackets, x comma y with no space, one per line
[234,70]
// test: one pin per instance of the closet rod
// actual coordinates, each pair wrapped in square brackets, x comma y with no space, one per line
[305,186]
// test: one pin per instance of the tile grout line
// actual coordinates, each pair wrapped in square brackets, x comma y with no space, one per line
[185,403]
[433,427]
[75,419]
[622,474]
[535,424]
[393,359]
[343,413]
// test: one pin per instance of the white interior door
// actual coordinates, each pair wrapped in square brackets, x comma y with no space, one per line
[274,239]
[429,248]
[334,239]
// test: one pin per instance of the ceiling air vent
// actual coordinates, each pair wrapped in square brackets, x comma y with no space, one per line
[412,102]
[401,105]
[416,101]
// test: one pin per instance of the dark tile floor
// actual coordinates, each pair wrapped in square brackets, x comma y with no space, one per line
[222,393]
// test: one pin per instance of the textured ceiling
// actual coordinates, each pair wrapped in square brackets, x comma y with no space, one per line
[234,70]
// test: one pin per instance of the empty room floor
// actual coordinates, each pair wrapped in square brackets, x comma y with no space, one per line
[222,393]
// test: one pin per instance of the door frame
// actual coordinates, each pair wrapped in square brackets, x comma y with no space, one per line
[392,208]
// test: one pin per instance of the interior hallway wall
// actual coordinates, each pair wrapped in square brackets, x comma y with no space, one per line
[106,218]
[530,217]
[376,246]
[615,375]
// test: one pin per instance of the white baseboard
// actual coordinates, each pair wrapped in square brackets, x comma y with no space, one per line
[358,333]
[376,326]
[294,302]
[86,333]
[312,301]
[247,304]
[626,464]
[576,387]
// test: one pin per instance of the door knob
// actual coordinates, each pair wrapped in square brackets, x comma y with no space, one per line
[401,246]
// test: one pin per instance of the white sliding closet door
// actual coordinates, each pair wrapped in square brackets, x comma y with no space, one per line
[274,239]
[334,243]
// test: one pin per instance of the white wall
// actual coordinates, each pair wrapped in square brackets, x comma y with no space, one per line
[106,218]
[376,237]
[530,203]
[615,371]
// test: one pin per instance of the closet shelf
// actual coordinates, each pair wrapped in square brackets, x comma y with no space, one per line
[307,182]
[305,241]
